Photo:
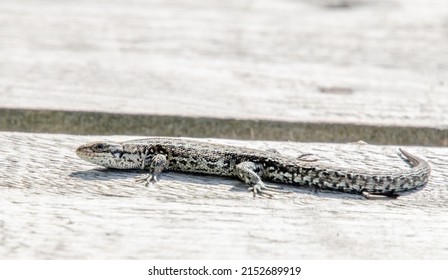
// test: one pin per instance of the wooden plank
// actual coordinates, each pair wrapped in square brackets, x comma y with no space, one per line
[358,61]
[56,206]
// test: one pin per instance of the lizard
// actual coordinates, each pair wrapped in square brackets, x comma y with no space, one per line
[252,166]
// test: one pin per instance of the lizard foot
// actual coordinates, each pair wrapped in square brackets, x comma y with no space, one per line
[148,179]
[265,191]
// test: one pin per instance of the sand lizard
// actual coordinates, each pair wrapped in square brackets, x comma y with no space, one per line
[251,166]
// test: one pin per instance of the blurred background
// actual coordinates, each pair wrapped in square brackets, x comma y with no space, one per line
[299,70]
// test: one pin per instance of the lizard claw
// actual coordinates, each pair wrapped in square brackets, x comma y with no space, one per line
[149,179]
[260,190]
[263,190]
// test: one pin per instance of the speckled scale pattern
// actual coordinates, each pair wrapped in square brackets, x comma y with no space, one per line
[187,155]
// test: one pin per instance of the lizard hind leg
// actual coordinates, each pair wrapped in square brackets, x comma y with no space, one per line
[249,173]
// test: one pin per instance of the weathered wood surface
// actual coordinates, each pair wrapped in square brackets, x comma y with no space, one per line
[344,61]
[56,206]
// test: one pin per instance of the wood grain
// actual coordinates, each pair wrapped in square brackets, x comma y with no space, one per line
[343,61]
[56,206]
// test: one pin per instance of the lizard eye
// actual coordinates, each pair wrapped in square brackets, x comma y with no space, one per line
[98,146]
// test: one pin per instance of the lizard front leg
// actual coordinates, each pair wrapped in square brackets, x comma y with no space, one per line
[156,166]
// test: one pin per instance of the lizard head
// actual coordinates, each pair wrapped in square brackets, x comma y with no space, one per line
[106,154]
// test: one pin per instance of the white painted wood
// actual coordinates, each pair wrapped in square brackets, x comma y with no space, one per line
[56,206]
[346,61]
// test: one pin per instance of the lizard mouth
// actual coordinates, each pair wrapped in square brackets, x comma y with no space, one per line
[89,152]
[83,152]
[105,154]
